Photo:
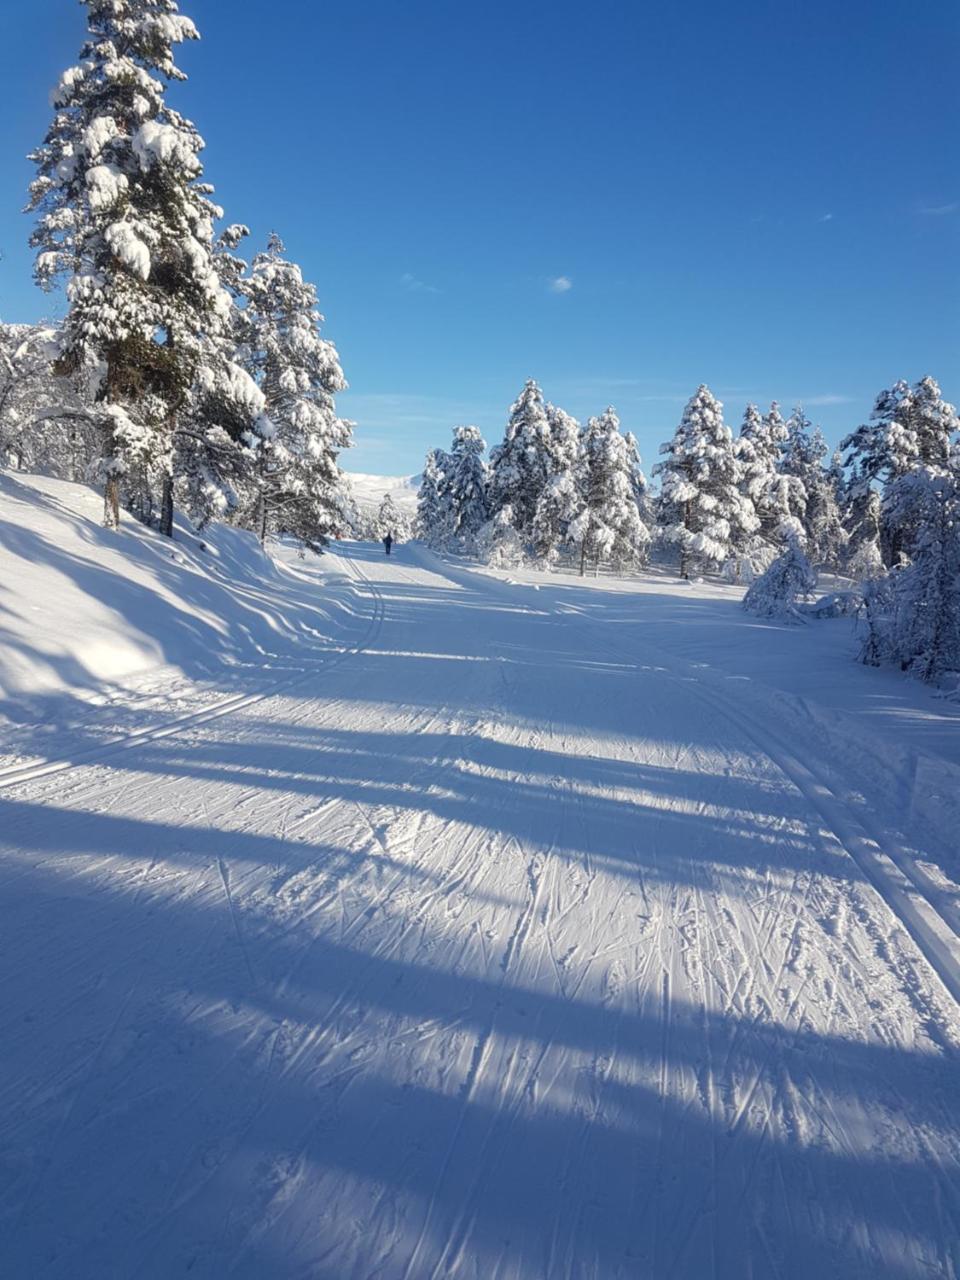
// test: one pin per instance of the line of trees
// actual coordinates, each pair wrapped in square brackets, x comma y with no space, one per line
[768,505]
[181,373]
[551,490]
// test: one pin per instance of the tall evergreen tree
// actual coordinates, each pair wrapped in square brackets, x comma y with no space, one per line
[702,509]
[432,505]
[519,467]
[300,488]
[758,452]
[559,499]
[466,486]
[124,216]
[817,510]
[608,524]
[910,427]
[913,614]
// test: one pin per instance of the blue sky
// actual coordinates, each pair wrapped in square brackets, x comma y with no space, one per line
[621,200]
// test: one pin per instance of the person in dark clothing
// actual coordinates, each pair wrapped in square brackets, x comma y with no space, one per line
[388,542]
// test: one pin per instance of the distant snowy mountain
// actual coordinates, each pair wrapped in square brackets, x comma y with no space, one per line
[369,490]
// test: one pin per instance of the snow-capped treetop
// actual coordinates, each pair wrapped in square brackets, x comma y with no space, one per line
[909,427]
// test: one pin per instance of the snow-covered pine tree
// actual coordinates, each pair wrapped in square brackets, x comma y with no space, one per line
[913,612]
[702,508]
[43,425]
[813,492]
[608,524]
[758,452]
[910,427]
[498,542]
[774,594]
[861,520]
[432,505]
[519,466]
[299,489]
[123,215]
[465,490]
[223,423]
[389,520]
[560,498]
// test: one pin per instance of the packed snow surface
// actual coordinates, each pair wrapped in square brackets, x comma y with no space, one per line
[520,927]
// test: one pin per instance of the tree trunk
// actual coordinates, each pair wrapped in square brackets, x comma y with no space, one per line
[262,521]
[111,503]
[166,507]
[583,555]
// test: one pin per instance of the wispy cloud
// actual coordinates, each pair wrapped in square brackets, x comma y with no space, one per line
[413,285]
[401,412]
[826,400]
[825,217]
[940,210]
[560,284]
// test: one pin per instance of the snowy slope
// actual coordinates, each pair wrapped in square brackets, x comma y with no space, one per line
[92,619]
[369,491]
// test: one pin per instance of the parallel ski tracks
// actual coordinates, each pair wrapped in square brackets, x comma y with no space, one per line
[889,872]
[17,774]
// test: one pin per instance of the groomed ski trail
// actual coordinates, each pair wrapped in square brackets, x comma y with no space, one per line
[500,945]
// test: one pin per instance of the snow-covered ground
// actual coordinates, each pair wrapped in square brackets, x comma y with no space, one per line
[518,926]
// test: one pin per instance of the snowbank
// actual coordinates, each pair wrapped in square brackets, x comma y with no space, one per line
[91,618]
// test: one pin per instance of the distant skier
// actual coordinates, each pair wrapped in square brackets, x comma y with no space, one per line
[388,542]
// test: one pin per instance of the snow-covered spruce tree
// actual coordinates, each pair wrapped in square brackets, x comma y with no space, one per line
[702,508]
[432,504]
[465,490]
[775,593]
[124,217]
[519,467]
[608,524]
[299,487]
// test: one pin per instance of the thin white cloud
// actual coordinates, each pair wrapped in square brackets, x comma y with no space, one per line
[413,285]
[940,210]
[826,400]
[402,411]
[561,284]
[825,217]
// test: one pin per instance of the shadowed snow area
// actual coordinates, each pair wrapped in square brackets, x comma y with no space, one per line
[534,928]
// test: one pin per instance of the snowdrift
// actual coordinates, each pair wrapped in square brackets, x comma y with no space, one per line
[95,618]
